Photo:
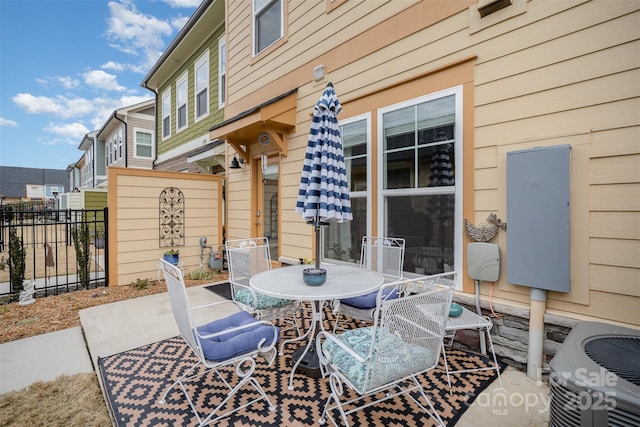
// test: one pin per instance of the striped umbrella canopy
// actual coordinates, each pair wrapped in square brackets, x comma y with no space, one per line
[324,191]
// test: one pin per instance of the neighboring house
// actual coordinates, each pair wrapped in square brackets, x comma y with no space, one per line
[29,184]
[128,137]
[73,172]
[190,94]
[125,140]
[422,81]
[93,170]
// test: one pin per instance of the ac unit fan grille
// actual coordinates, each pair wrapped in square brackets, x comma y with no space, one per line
[618,355]
[563,411]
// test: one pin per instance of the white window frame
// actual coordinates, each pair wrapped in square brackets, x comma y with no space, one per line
[136,144]
[459,143]
[203,61]
[222,71]
[166,113]
[182,82]
[257,11]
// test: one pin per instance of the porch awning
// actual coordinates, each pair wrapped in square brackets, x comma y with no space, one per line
[276,117]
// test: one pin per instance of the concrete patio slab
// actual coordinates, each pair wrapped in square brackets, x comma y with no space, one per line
[43,358]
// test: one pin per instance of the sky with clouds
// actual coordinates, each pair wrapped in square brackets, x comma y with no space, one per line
[66,65]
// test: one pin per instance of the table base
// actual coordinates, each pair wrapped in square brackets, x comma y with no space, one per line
[309,365]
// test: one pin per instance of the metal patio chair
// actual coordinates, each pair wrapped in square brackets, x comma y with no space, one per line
[234,340]
[247,257]
[386,256]
[403,343]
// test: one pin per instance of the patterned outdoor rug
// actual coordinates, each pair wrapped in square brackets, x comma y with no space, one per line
[135,380]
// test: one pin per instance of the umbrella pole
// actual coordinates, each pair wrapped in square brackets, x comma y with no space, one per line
[317,224]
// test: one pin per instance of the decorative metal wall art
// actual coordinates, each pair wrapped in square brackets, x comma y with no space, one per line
[171,217]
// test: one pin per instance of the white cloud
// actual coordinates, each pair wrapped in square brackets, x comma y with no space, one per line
[75,131]
[65,81]
[37,104]
[60,106]
[179,22]
[102,80]
[7,122]
[114,66]
[130,30]
[183,3]
[68,82]
[44,82]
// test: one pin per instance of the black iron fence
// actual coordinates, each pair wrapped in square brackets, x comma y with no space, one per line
[59,250]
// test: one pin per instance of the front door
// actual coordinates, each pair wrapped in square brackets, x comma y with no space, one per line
[267,202]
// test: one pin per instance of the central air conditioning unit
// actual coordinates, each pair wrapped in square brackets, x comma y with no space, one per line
[595,377]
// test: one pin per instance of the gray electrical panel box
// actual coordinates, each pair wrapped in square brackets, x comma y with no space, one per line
[538,239]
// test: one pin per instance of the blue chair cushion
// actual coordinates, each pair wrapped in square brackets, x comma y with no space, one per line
[368,301]
[236,343]
[244,296]
[392,358]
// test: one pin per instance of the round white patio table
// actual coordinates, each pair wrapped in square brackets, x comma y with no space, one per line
[343,281]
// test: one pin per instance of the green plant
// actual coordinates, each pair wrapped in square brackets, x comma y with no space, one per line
[141,284]
[3,263]
[17,256]
[200,275]
[81,244]
[172,252]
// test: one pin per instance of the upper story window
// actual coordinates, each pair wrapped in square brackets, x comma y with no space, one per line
[181,102]
[143,143]
[166,114]
[267,23]
[202,86]
[222,71]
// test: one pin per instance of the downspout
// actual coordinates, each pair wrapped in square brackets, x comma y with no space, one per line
[95,162]
[126,139]
[535,349]
[155,133]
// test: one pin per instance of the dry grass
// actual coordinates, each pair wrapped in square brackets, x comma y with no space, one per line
[68,401]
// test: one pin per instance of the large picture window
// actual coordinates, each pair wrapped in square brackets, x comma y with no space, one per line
[181,102]
[202,86]
[342,241]
[267,23]
[420,145]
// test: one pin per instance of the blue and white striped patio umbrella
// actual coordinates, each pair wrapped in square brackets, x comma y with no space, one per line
[324,192]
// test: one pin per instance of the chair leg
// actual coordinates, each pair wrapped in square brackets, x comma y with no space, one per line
[493,353]
[446,366]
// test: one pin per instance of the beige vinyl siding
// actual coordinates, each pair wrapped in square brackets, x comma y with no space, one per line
[561,72]
[134,219]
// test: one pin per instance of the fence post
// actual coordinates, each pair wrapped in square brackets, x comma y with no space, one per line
[106,246]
